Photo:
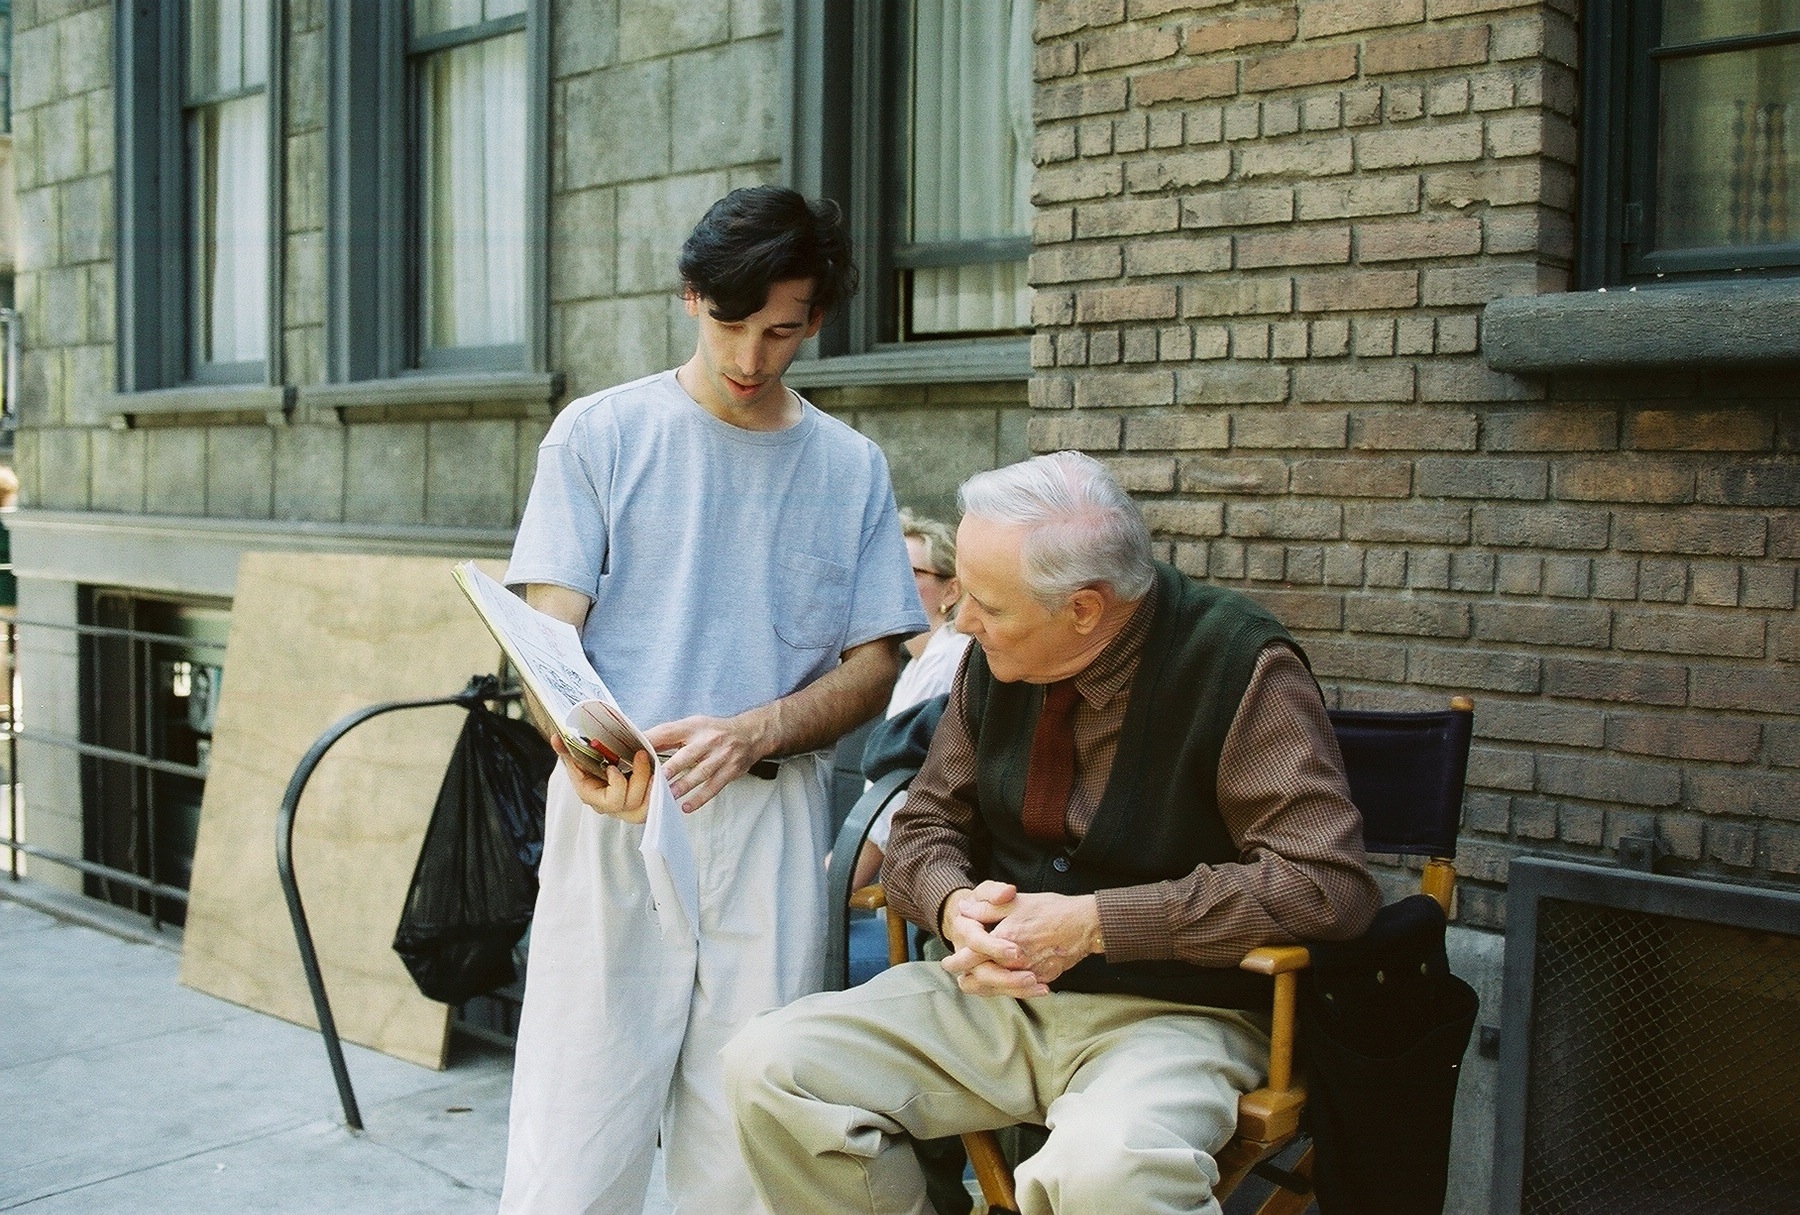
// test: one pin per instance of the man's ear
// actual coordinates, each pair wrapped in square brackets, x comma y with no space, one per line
[1087,605]
[813,323]
[690,299]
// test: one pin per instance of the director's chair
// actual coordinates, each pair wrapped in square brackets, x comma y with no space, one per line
[1406,773]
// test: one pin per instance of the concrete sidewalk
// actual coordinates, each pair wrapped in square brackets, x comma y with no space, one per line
[124,1092]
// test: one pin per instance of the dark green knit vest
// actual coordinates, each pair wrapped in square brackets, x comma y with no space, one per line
[1159,817]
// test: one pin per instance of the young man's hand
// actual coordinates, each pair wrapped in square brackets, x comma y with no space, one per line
[609,791]
[706,753]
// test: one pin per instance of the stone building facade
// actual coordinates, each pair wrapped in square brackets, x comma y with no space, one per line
[649,112]
[1314,277]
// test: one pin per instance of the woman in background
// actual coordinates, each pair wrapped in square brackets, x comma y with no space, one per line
[935,655]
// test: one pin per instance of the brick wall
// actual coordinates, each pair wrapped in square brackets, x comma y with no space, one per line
[1265,234]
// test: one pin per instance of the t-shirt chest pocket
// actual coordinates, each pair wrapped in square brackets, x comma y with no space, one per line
[812,601]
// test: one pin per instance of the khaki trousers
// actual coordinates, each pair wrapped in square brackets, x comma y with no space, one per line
[1137,1094]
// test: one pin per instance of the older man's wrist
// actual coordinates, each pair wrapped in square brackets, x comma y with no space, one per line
[1096,932]
[945,907]
[1133,924]
[930,891]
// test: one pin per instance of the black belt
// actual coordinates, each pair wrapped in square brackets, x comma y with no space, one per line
[766,769]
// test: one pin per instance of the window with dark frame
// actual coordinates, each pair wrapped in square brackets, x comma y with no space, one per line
[468,60]
[148,694]
[1691,153]
[225,124]
[436,192]
[5,66]
[917,115]
[195,193]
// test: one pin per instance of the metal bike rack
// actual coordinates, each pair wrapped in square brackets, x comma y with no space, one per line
[481,688]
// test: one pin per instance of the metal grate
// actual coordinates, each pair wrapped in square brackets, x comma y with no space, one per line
[1664,1058]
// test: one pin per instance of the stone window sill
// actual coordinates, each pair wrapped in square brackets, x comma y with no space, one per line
[992,361]
[503,394]
[271,401]
[523,392]
[1747,324]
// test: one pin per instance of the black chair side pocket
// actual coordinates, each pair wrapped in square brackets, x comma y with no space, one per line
[1383,1027]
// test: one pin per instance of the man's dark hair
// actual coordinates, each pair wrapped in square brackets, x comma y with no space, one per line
[762,235]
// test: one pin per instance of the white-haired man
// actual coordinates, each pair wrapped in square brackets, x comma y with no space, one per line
[1134,783]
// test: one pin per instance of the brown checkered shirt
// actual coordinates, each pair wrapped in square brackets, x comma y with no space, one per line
[1281,791]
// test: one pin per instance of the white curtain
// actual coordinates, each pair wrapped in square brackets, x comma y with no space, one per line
[228,52]
[971,157]
[474,206]
[236,217]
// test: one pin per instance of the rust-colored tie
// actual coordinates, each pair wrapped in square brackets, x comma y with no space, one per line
[1051,774]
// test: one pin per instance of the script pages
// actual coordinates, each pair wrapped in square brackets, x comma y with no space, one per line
[548,656]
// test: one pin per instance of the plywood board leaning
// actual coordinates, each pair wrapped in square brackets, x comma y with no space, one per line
[313,638]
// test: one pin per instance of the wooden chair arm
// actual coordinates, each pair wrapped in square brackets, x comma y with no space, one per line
[873,898]
[991,1170]
[1282,963]
[1276,959]
[1269,1115]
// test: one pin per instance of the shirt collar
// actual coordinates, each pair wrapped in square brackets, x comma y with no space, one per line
[1106,676]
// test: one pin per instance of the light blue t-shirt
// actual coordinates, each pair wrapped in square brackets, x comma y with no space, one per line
[727,567]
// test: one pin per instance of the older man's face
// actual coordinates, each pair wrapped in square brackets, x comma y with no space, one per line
[1022,639]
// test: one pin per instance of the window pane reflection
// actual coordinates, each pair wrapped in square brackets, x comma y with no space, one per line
[1726,157]
[228,46]
[231,230]
[441,16]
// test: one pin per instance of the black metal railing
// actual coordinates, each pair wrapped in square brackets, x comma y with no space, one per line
[481,688]
[125,820]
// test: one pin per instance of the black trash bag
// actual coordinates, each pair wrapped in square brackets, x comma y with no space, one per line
[1383,1027]
[475,885]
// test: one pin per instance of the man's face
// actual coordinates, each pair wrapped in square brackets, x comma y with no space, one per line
[1023,640]
[741,362]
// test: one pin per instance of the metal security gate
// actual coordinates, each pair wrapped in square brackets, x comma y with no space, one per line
[1650,1047]
[150,675]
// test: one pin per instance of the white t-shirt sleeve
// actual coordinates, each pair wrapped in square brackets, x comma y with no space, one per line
[562,538]
[884,599]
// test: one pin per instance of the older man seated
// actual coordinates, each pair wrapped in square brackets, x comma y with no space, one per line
[1135,782]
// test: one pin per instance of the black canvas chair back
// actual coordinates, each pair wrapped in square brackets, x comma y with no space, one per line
[1406,774]
[1383,1022]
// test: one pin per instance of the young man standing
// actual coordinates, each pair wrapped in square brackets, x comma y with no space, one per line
[734,563]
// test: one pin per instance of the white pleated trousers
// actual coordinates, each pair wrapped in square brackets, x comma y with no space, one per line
[620,1033]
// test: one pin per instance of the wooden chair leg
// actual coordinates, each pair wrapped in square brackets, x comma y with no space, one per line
[991,1170]
[896,935]
[1286,1202]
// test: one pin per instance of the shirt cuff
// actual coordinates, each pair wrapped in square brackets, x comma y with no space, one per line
[934,886]
[1134,923]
